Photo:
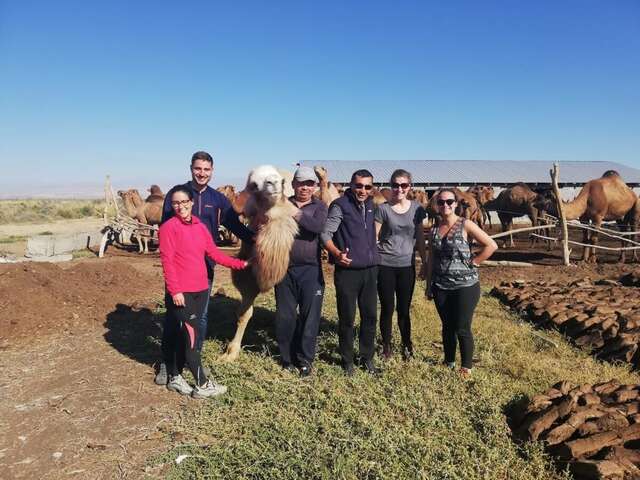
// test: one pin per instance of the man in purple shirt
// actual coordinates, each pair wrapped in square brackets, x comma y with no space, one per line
[303,286]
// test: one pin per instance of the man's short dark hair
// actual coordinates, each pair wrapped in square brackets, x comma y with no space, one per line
[362,173]
[201,155]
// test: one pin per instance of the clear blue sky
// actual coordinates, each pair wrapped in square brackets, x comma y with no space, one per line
[133,88]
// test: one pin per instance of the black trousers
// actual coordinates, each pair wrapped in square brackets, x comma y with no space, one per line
[297,334]
[180,338]
[456,308]
[356,286]
[395,285]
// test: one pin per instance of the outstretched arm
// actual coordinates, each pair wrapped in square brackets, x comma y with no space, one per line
[217,256]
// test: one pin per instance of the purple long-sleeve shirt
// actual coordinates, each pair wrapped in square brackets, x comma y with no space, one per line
[306,247]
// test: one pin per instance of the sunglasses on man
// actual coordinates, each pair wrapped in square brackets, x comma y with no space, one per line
[362,186]
[397,186]
[448,201]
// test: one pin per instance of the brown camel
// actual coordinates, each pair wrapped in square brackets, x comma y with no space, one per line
[271,216]
[604,199]
[326,192]
[419,196]
[147,212]
[237,201]
[483,194]
[514,201]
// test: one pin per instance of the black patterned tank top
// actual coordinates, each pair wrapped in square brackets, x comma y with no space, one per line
[452,267]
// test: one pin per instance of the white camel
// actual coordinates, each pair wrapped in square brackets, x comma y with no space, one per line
[271,216]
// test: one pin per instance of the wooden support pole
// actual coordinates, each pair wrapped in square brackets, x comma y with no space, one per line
[555,174]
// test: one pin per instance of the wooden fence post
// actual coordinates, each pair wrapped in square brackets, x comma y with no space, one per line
[555,173]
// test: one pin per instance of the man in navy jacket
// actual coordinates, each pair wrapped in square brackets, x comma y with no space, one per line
[212,208]
[349,236]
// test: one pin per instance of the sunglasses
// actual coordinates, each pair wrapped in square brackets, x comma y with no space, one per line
[448,201]
[397,186]
[179,203]
[361,186]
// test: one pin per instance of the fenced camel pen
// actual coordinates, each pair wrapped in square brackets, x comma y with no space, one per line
[271,216]
[604,199]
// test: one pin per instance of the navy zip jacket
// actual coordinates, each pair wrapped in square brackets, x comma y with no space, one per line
[356,231]
[212,208]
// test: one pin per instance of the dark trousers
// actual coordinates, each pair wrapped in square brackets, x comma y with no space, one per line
[456,308]
[356,286]
[303,288]
[204,318]
[181,334]
[395,285]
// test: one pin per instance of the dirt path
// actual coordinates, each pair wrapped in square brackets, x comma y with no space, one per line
[77,396]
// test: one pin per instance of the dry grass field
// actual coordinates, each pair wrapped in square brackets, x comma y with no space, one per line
[419,420]
[40,211]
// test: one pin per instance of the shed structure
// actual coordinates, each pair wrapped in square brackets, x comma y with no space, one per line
[431,174]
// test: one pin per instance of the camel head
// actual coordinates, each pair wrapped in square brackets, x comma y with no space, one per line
[321,172]
[483,193]
[155,190]
[265,184]
[545,202]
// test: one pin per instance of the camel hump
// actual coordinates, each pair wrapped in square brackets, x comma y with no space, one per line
[610,173]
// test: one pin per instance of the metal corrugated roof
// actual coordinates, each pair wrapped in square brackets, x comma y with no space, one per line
[469,172]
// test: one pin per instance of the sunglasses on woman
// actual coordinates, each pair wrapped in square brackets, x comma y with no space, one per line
[448,201]
[360,186]
[397,186]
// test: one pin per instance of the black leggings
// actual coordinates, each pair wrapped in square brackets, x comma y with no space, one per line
[456,308]
[396,283]
[180,337]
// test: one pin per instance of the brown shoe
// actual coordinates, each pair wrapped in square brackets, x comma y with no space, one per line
[386,351]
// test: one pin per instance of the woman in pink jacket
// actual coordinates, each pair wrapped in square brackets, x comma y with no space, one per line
[184,242]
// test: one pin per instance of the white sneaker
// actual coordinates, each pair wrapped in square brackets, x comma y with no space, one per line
[180,385]
[208,390]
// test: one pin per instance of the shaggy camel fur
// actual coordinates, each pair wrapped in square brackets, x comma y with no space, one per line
[147,212]
[514,201]
[271,216]
[326,192]
[604,199]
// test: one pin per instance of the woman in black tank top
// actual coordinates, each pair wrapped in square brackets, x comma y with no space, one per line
[452,277]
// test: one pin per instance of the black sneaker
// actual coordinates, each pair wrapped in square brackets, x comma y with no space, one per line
[407,352]
[305,371]
[371,368]
[289,367]
[348,369]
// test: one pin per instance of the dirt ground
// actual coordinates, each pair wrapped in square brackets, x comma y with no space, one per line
[77,346]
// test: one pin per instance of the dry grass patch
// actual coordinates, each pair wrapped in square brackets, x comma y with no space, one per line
[36,210]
